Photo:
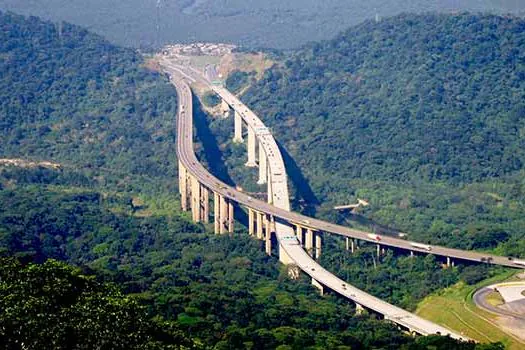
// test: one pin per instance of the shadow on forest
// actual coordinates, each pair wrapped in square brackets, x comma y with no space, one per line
[305,197]
[372,225]
[212,154]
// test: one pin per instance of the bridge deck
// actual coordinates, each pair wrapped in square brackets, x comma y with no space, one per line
[280,209]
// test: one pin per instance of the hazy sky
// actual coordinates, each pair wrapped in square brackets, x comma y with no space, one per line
[269,23]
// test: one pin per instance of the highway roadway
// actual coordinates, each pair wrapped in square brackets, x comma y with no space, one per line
[284,213]
[480,299]
[285,234]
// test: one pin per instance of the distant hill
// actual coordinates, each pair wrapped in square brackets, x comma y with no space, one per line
[269,23]
[432,96]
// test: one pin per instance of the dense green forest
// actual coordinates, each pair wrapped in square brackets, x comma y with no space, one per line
[147,277]
[70,96]
[422,115]
[55,306]
[197,288]
[217,291]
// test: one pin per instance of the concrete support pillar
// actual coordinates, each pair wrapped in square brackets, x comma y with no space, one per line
[300,235]
[251,148]
[450,262]
[270,190]
[350,244]
[259,225]
[195,199]
[225,108]
[230,216]
[238,128]
[294,272]
[284,258]
[359,309]
[263,167]
[183,187]
[216,212]
[378,250]
[251,222]
[268,237]
[309,244]
[205,201]
[411,253]
[318,285]
[318,244]
[223,215]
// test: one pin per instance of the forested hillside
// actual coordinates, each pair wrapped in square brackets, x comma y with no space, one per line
[70,96]
[92,132]
[422,115]
[185,286]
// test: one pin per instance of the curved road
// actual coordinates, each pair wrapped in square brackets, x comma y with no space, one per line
[324,226]
[285,234]
[480,299]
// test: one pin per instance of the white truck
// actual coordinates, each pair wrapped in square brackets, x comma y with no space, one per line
[374,237]
[519,262]
[421,246]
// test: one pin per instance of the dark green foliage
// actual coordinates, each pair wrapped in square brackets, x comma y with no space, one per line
[401,280]
[88,105]
[237,80]
[438,97]
[211,99]
[422,115]
[77,100]
[394,276]
[216,289]
[75,223]
[440,343]
[473,274]
[54,306]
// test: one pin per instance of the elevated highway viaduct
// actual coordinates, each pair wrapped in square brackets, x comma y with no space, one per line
[292,230]
[279,198]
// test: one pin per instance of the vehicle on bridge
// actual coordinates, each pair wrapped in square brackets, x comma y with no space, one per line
[519,262]
[374,236]
[421,246]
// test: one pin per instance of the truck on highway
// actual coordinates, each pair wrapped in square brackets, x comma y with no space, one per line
[374,237]
[421,246]
[519,262]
